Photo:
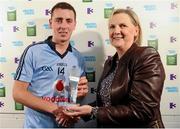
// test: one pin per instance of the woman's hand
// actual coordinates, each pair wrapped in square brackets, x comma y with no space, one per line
[78,111]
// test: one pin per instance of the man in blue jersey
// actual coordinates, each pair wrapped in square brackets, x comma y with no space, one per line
[45,63]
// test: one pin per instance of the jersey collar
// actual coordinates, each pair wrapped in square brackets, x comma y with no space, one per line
[52,46]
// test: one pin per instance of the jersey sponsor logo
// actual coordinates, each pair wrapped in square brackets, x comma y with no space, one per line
[46,68]
[56,99]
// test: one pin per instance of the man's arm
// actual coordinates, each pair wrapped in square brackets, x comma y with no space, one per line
[22,95]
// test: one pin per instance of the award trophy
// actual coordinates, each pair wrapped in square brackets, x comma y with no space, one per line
[73,85]
[65,90]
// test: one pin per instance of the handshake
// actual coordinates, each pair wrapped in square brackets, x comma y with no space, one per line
[67,116]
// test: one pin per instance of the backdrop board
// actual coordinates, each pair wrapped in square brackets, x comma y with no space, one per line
[23,22]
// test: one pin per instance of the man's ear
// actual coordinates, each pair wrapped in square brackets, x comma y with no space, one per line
[75,25]
[50,23]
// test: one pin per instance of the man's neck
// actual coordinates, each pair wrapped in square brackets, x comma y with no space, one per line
[61,47]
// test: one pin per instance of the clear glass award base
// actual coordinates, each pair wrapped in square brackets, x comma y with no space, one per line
[70,104]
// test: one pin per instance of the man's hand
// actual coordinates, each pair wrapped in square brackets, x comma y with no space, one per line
[82,87]
[63,119]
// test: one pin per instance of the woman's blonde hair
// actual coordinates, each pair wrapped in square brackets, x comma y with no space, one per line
[134,19]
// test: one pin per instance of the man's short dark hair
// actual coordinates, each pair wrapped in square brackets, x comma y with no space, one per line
[63,5]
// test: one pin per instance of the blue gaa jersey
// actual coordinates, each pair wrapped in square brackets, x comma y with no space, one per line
[47,72]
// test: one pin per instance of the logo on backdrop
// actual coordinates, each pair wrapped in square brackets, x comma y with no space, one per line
[174,6]
[13,74]
[1,75]
[31,28]
[91,74]
[172,76]
[93,90]
[90,44]
[173,89]
[90,25]
[46,26]
[172,105]
[173,39]
[150,7]
[33,42]
[90,71]
[108,10]
[129,7]
[19,106]
[2,90]
[174,19]
[1,104]
[28,11]
[16,28]
[90,58]
[72,42]
[87,0]
[11,13]
[171,57]
[17,43]
[153,41]
[107,41]
[16,60]
[90,10]
[47,12]
[3,59]
[152,25]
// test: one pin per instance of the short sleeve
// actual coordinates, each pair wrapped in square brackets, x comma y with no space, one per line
[24,71]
